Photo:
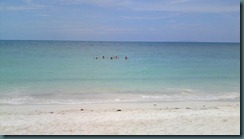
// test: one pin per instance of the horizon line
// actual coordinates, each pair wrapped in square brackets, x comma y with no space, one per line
[118,41]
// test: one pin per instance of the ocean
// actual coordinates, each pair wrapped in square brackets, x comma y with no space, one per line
[76,72]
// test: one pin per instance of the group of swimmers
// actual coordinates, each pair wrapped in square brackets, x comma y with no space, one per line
[112,57]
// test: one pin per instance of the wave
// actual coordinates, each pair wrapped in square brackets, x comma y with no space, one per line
[186,95]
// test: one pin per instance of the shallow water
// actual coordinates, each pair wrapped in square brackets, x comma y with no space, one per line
[64,72]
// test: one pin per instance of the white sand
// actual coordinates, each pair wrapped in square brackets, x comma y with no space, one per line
[176,118]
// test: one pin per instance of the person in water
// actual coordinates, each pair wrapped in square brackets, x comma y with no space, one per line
[111,58]
[96,57]
[103,57]
[126,58]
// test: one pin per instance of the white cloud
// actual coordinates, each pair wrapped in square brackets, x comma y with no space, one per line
[100,3]
[44,15]
[178,1]
[161,5]
[27,5]
[19,8]
[187,6]
[183,6]
[28,1]
[143,17]
[183,26]
[101,29]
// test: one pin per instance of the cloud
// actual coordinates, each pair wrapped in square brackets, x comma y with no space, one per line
[20,8]
[28,1]
[184,26]
[182,6]
[101,29]
[185,6]
[44,15]
[25,5]
[143,17]
[99,3]
[179,1]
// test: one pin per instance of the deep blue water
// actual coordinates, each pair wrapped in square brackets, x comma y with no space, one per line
[44,72]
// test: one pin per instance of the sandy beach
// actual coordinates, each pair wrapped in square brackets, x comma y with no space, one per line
[138,118]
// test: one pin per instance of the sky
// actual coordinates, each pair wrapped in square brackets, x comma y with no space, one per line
[121,20]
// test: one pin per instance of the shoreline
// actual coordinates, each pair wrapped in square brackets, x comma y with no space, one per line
[120,118]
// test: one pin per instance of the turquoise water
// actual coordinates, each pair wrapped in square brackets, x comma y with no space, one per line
[67,72]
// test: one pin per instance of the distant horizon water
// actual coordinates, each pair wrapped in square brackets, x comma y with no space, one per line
[161,41]
[75,72]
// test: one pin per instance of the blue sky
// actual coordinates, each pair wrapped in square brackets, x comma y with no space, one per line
[121,20]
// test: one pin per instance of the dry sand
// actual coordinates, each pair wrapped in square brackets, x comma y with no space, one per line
[144,118]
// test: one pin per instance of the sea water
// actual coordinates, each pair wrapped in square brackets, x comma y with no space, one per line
[74,72]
